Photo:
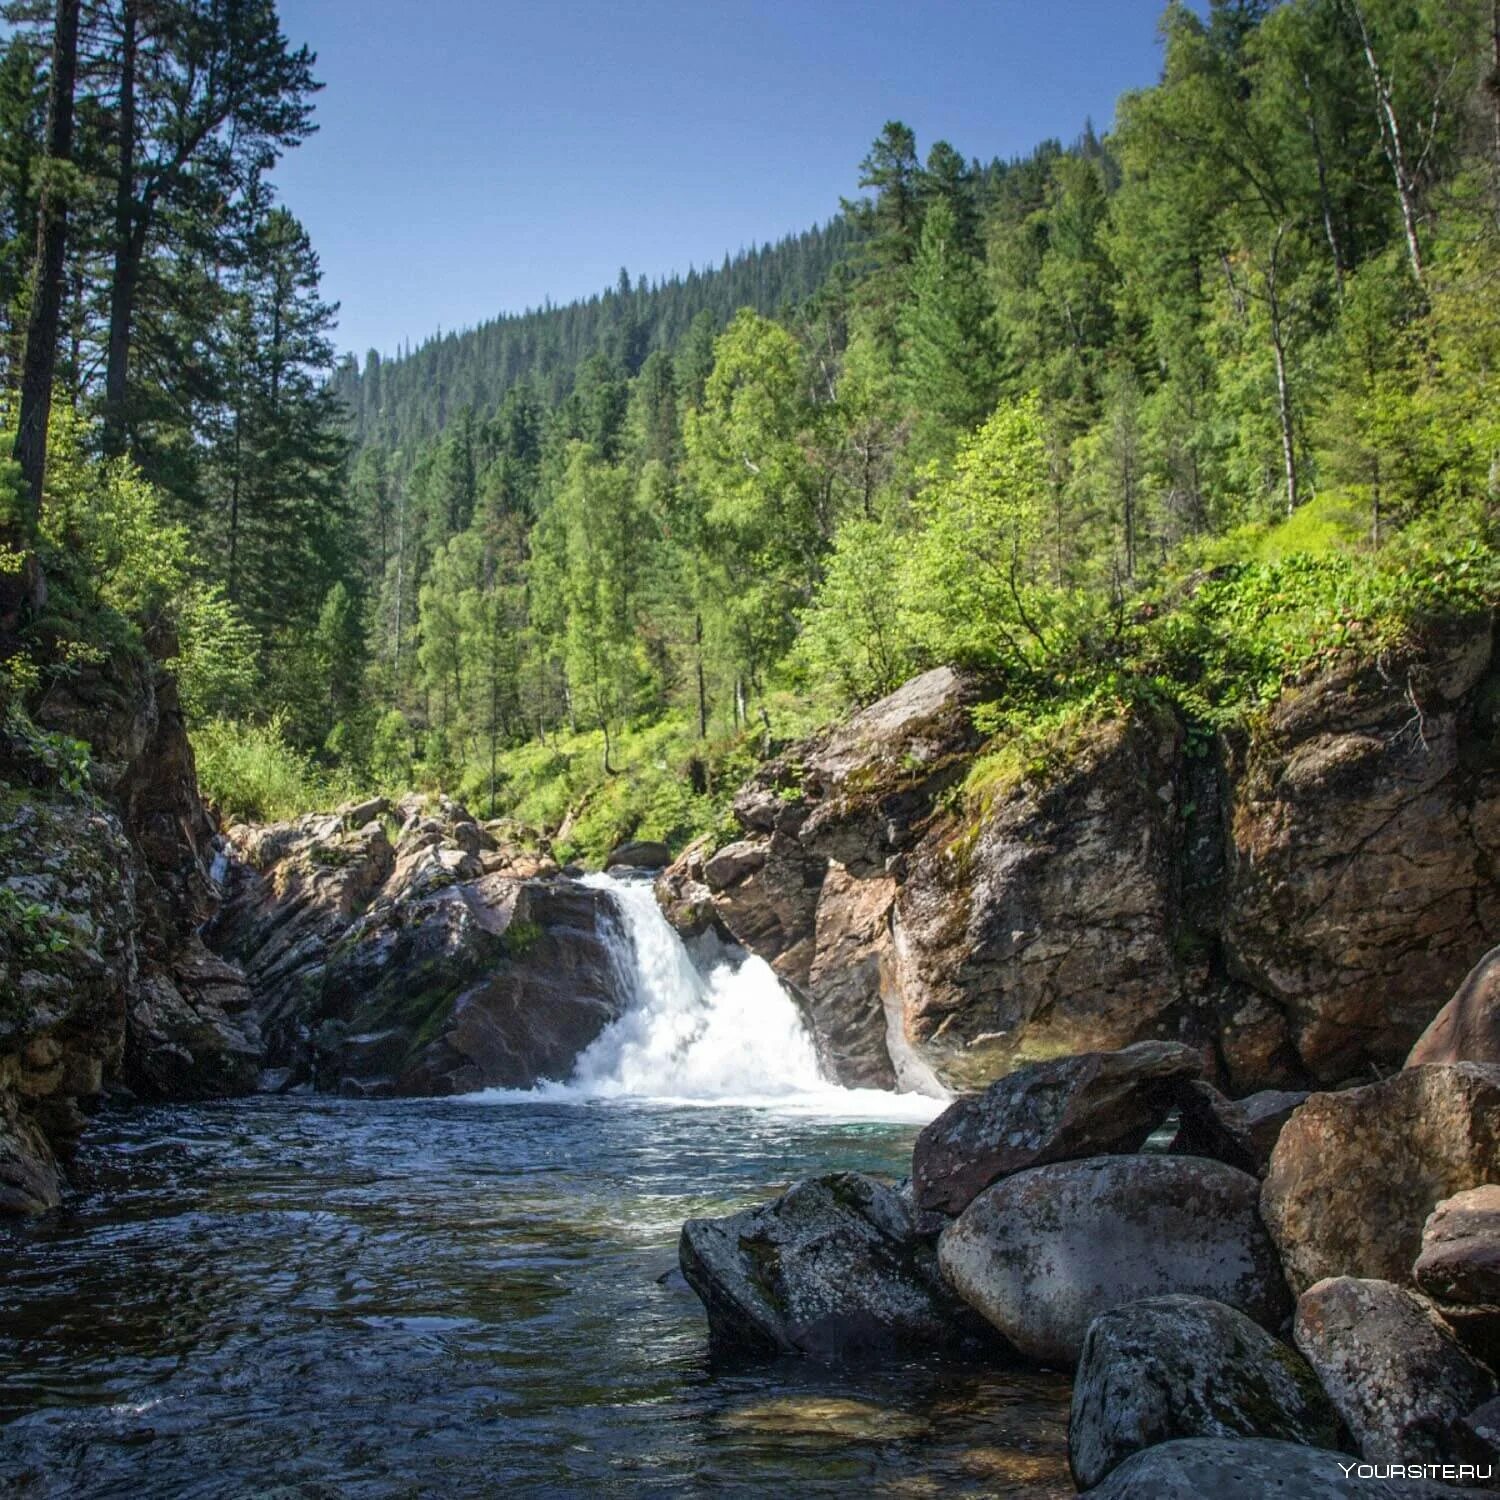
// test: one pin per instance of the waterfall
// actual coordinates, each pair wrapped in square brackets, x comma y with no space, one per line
[731,1036]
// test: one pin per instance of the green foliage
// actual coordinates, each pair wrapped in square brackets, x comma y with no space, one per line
[857,634]
[216,666]
[251,773]
[974,591]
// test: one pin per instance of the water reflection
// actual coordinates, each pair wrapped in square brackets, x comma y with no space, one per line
[330,1298]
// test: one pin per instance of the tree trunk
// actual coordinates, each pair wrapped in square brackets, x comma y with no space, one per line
[40,360]
[1395,150]
[128,246]
[1325,202]
[1283,385]
[702,686]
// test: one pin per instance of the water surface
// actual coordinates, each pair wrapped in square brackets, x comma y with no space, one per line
[319,1297]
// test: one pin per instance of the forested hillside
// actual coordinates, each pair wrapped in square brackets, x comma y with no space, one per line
[399,403]
[1170,412]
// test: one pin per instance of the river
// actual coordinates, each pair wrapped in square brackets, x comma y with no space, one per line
[316,1297]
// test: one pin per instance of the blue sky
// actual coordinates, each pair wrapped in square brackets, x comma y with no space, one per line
[478,156]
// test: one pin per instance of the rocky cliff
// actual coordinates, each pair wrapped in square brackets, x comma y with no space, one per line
[405,949]
[1296,901]
[104,883]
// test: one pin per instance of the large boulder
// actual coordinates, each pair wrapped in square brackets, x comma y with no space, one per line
[1254,1468]
[1467,1028]
[1038,919]
[1393,1369]
[1242,1132]
[1364,824]
[833,1268]
[1459,1268]
[1355,1174]
[1095,1104]
[1182,1367]
[639,854]
[1045,1252]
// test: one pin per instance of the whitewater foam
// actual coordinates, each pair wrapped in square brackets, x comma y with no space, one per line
[733,1037]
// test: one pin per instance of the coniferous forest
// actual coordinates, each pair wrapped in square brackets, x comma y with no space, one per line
[1173,410]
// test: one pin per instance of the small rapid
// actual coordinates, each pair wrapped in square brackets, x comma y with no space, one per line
[731,1036]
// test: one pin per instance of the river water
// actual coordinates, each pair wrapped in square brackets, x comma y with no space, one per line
[470,1297]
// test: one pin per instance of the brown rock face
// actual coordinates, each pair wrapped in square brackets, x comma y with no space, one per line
[1296,900]
[101,972]
[406,969]
[1365,827]
[1242,1132]
[1097,1104]
[1467,1028]
[1393,1370]
[1354,1175]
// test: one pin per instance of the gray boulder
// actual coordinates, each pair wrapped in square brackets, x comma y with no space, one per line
[1392,1368]
[1044,1253]
[1181,1367]
[640,854]
[1252,1469]
[832,1268]
[1089,1105]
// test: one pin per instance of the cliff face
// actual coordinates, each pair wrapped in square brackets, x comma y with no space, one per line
[432,959]
[1297,903]
[104,882]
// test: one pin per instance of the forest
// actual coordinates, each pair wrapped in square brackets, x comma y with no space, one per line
[1174,412]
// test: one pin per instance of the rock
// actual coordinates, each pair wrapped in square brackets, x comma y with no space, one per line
[684,897]
[1186,1367]
[1460,1259]
[1467,1028]
[1254,1468]
[733,863]
[1363,832]
[357,814]
[1459,1268]
[996,964]
[1045,1252]
[1481,1434]
[1392,1368]
[1291,902]
[493,983]
[1242,1132]
[641,854]
[443,964]
[105,879]
[832,1269]
[1354,1175]
[1096,1104]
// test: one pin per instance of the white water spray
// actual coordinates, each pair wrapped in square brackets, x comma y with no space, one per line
[733,1037]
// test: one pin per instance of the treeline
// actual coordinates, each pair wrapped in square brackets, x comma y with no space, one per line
[1165,411]
[1024,401]
[402,402]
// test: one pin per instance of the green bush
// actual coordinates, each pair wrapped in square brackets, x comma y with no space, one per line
[251,774]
